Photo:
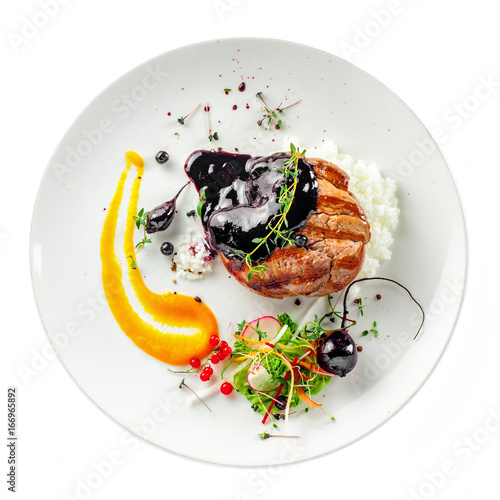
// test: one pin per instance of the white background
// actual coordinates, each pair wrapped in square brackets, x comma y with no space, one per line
[445,443]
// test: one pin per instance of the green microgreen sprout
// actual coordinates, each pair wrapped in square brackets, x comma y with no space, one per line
[277,226]
[266,435]
[203,199]
[227,91]
[183,384]
[272,114]
[372,330]
[133,263]
[211,136]
[361,306]
[261,334]
[182,119]
[140,220]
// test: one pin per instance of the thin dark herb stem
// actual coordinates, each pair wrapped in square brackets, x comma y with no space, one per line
[290,105]
[187,386]
[268,112]
[344,316]
[182,119]
[266,435]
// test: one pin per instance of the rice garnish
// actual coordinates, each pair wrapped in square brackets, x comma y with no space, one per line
[192,259]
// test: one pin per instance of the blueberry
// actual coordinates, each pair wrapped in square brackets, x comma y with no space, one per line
[337,353]
[167,248]
[162,157]
[300,240]
[281,402]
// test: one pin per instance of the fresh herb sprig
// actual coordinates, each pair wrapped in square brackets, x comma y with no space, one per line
[272,114]
[140,220]
[361,306]
[277,227]
[372,330]
[203,199]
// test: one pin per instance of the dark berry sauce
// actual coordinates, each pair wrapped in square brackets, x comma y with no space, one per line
[242,87]
[240,194]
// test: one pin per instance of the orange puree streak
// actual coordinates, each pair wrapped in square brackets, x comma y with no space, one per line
[173,310]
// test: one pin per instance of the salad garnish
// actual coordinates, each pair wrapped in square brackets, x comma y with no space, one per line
[274,365]
[278,366]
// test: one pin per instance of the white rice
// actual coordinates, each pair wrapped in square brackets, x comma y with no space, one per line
[377,196]
[192,259]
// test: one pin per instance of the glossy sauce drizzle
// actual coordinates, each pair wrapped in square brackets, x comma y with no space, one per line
[174,311]
[240,194]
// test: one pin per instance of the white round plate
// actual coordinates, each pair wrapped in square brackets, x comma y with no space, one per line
[139,112]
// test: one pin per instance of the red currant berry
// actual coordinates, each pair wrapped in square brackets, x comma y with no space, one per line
[195,362]
[204,376]
[223,344]
[227,351]
[208,370]
[214,340]
[214,359]
[226,388]
[220,356]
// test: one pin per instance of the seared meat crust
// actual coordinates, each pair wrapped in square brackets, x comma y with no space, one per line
[337,233]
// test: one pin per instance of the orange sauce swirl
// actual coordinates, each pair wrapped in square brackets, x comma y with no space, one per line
[173,310]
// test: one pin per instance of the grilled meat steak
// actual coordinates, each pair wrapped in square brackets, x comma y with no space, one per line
[327,214]
[336,232]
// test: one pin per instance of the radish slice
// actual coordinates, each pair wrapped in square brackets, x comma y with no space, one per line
[259,379]
[268,324]
[233,370]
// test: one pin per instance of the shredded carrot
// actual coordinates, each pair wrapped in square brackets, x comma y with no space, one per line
[241,358]
[304,397]
[312,368]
